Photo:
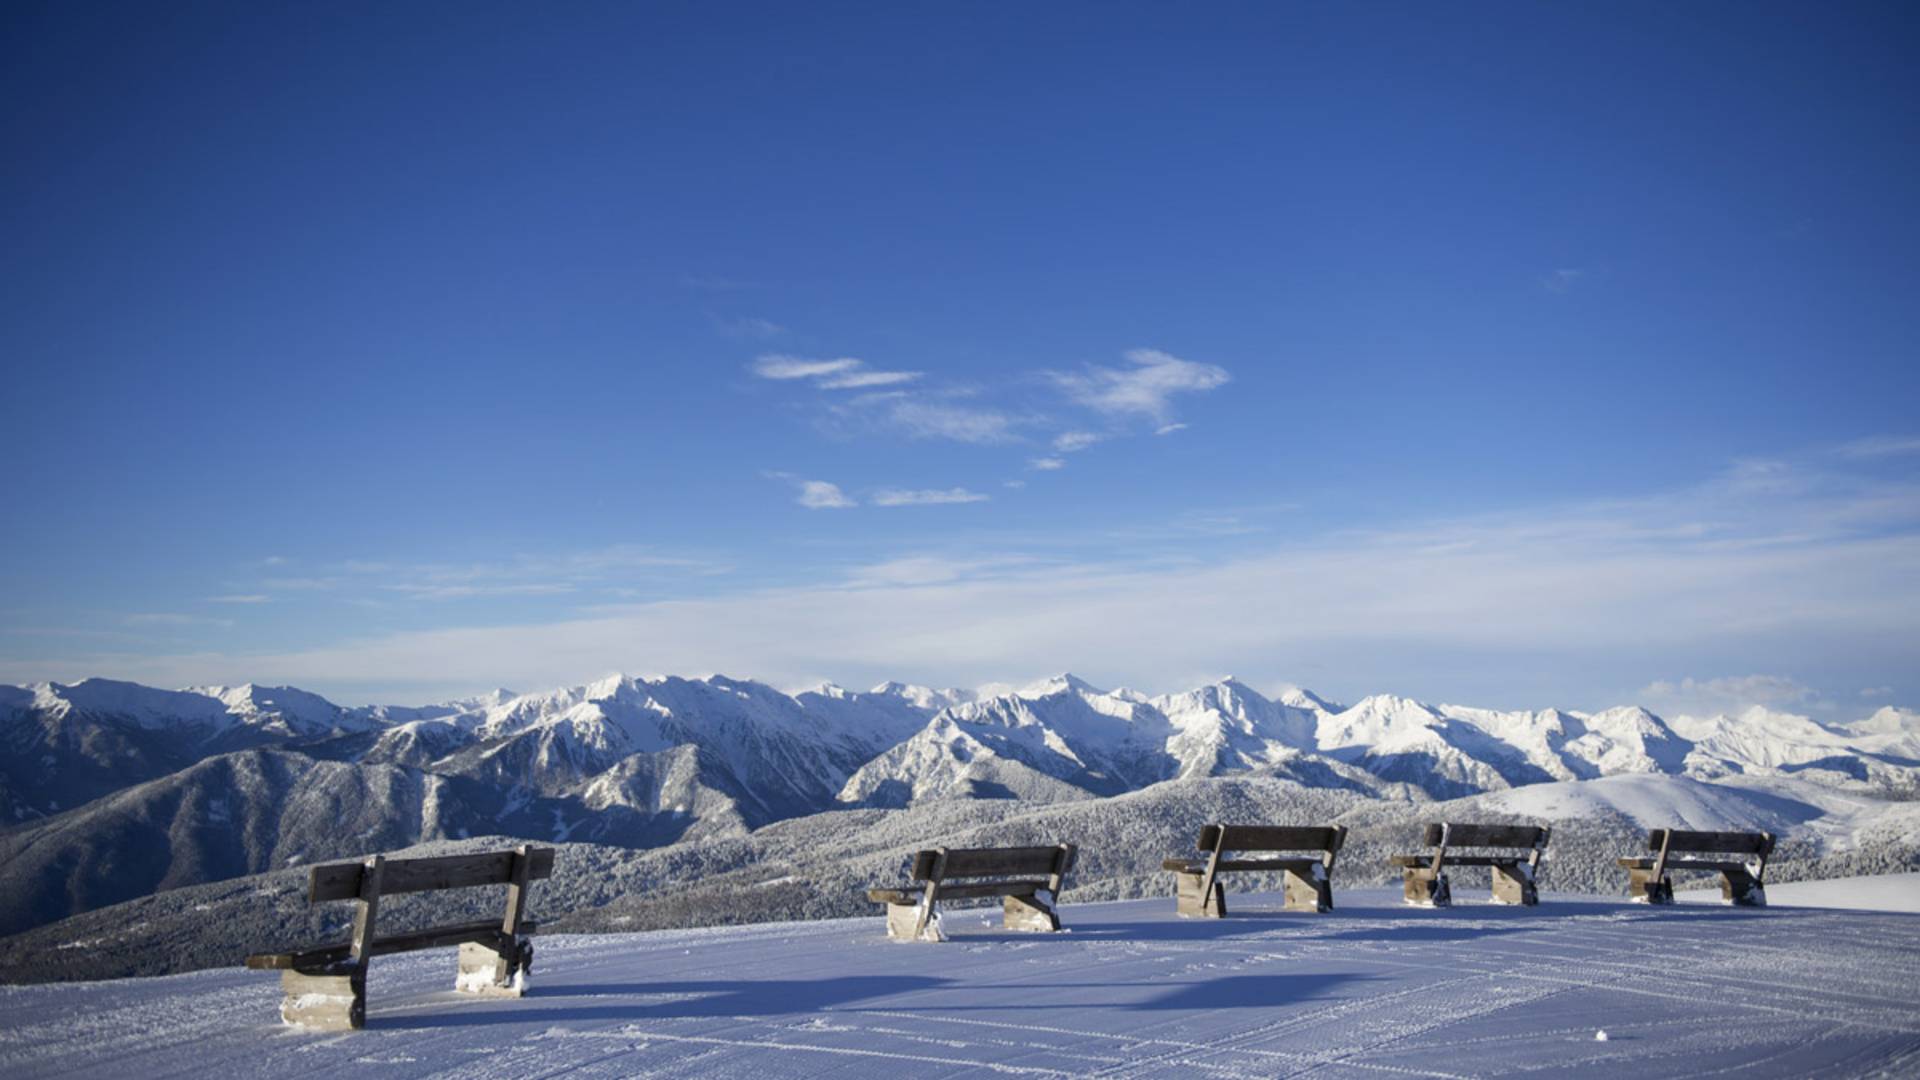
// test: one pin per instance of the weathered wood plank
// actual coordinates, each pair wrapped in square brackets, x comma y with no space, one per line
[1469,835]
[1265,864]
[341,881]
[975,890]
[433,938]
[1753,843]
[1275,838]
[1714,865]
[987,862]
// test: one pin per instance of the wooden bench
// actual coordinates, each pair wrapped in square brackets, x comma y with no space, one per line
[1513,874]
[1027,877]
[1741,883]
[1309,880]
[326,987]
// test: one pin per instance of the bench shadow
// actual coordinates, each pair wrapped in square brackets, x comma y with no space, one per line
[687,999]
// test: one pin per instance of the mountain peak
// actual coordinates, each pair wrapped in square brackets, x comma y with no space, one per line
[1065,682]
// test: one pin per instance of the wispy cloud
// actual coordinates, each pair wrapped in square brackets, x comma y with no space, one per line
[1872,692]
[1725,694]
[239,598]
[959,423]
[463,592]
[1561,604]
[1046,464]
[1070,441]
[898,497]
[749,327]
[1563,279]
[843,373]
[930,569]
[821,495]
[1880,446]
[1144,388]
[1168,429]
[298,584]
[168,618]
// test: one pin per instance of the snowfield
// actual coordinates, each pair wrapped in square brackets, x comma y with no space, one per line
[1373,989]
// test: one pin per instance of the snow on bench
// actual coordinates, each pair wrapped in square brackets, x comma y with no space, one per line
[1513,874]
[1309,880]
[326,987]
[1028,878]
[1741,882]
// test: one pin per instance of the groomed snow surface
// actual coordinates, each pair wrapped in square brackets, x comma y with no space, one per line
[1373,989]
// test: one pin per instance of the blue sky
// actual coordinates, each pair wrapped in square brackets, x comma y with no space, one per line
[1513,355]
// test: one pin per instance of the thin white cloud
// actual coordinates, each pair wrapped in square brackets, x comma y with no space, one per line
[1013,483]
[928,420]
[1046,464]
[1068,442]
[1823,576]
[821,495]
[932,497]
[1563,279]
[239,598]
[464,592]
[750,326]
[1725,694]
[169,618]
[1168,429]
[843,373]
[776,366]
[1880,446]
[1145,388]
[297,584]
[1871,692]
[860,380]
[927,570]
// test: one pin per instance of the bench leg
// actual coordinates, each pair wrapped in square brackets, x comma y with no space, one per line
[1306,893]
[903,924]
[1646,889]
[1424,888]
[1188,901]
[1738,888]
[324,1002]
[486,971]
[1513,885]
[1028,912]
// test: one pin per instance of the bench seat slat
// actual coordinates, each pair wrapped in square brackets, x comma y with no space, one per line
[989,862]
[1268,838]
[1460,860]
[1507,836]
[989,888]
[1643,863]
[431,938]
[1683,840]
[341,881]
[1266,864]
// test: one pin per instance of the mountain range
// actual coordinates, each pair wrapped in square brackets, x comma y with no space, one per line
[115,790]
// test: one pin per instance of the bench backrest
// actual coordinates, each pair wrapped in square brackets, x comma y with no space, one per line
[1507,836]
[1270,838]
[1745,843]
[343,881]
[993,862]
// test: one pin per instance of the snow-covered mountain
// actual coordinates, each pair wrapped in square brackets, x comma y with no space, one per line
[92,771]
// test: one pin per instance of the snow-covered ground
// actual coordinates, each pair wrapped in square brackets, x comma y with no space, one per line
[1372,989]
[1872,892]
